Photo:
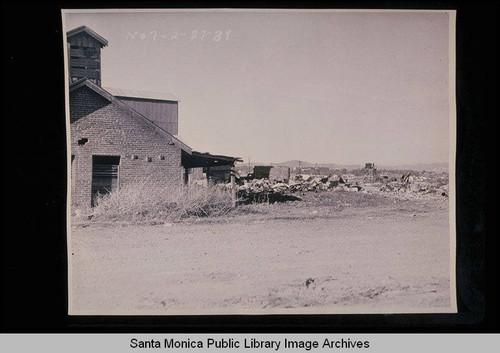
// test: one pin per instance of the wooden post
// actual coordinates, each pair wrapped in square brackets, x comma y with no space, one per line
[233,187]
[208,176]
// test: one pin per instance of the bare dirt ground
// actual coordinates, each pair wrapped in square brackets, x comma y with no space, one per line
[332,252]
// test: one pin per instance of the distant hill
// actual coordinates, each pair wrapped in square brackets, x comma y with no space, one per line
[341,166]
[294,164]
[430,167]
[304,164]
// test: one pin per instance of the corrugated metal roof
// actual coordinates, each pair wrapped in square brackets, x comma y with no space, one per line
[90,32]
[133,93]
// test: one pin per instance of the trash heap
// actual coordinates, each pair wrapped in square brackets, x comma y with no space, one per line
[402,185]
[304,182]
[262,190]
[407,186]
[416,186]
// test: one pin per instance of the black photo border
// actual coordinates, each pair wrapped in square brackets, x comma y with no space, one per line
[33,255]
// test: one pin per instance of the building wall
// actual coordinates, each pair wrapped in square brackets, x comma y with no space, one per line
[220,174]
[162,113]
[280,174]
[144,153]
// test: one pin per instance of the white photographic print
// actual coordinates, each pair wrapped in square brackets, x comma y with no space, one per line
[260,161]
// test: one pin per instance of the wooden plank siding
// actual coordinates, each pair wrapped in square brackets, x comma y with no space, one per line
[83,40]
[81,52]
[90,74]
[85,62]
[162,113]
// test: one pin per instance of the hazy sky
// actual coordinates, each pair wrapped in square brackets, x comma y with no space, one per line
[325,87]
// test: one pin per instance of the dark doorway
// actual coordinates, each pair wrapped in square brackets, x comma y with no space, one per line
[104,175]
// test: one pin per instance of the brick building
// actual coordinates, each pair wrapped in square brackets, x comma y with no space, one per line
[119,137]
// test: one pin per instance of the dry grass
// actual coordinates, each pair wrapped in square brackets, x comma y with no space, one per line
[144,201]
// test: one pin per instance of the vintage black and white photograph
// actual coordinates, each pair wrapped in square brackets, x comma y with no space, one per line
[260,161]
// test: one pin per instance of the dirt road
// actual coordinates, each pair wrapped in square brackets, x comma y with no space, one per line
[369,259]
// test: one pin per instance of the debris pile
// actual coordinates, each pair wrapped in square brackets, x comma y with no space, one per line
[304,182]
[402,185]
[416,186]
[429,188]
[263,190]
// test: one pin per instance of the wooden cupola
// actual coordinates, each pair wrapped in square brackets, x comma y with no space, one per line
[84,54]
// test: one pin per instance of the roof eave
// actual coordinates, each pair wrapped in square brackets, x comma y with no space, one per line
[90,32]
[85,82]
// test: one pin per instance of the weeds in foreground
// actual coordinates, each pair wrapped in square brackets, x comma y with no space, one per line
[144,201]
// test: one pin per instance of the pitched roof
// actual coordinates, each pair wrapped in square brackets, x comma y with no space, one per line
[197,160]
[133,93]
[108,96]
[90,32]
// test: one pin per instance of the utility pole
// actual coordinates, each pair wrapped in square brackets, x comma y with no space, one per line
[233,186]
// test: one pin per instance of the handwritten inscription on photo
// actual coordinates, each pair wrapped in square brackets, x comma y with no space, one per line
[216,36]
